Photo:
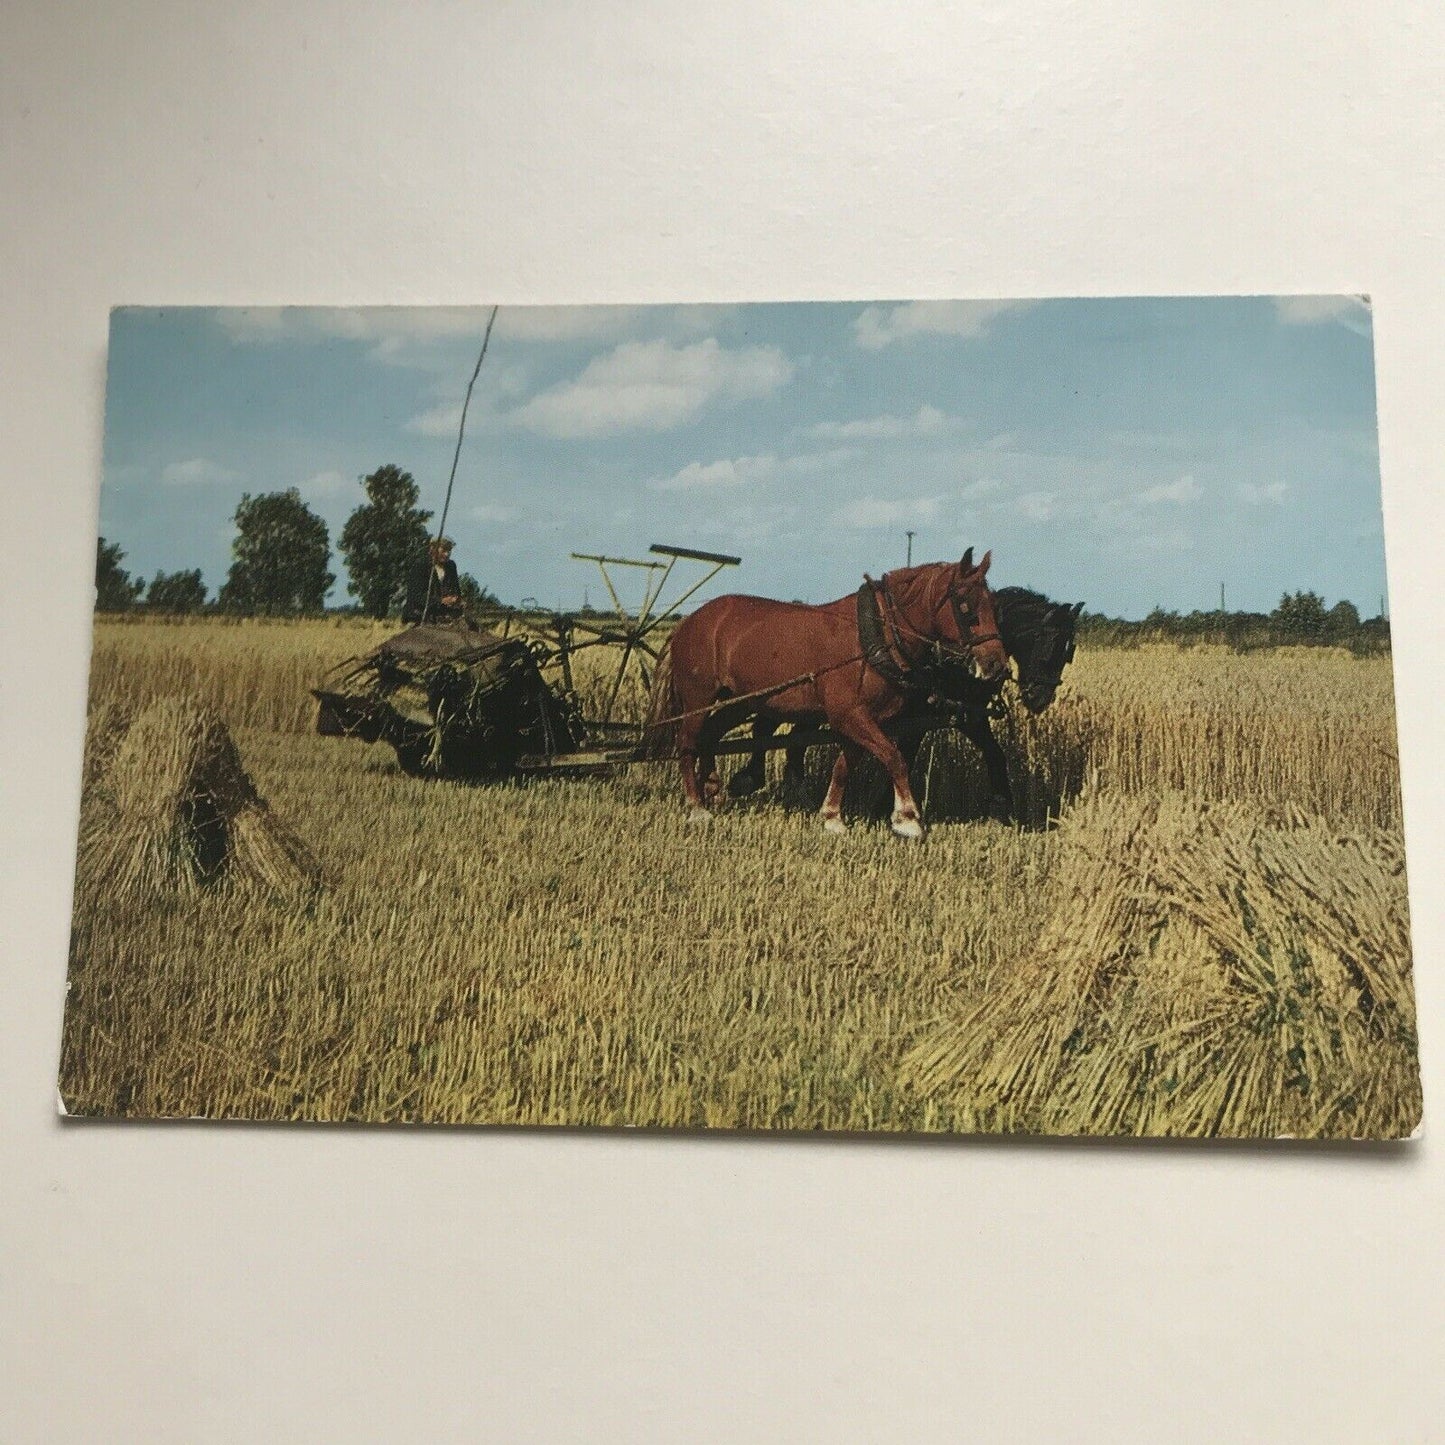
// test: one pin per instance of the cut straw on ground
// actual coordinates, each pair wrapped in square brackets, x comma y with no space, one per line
[170,809]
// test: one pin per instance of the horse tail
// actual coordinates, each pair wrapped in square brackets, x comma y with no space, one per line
[659,732]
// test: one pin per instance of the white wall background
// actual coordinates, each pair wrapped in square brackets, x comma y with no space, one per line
[193,1283]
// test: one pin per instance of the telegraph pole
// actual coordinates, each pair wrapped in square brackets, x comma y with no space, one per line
[909,562]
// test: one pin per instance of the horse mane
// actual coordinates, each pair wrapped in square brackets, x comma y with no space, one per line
[1022,614]
[920,584]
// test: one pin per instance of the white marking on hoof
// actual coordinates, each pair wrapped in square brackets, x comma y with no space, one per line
[907,827]
[699,815]
[834,826]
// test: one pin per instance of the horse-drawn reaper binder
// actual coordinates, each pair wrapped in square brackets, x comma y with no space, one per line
[921,648]
[460,701]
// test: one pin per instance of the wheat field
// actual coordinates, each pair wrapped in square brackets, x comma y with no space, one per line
[1200,930]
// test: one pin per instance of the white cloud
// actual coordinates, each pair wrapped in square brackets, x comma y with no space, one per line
[197,472]
[323,484]
[982,487]
[729,472]
[828,459]
[1186,489]
[421,338]
[565,323]
[1038,506]
[1350,311]
[499,381]
[748,523]
[1170,541]
[123,474]
[927,421]
[407,335]
[1259,494]
[440,421]
[865,513]
[652,386]
[880,326]
[386,327]
[492,512]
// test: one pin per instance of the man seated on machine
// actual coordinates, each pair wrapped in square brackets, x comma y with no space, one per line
[433,592]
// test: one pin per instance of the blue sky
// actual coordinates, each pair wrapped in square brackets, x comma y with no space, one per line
[1122,452]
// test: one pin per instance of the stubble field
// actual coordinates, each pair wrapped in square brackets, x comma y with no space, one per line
[1201,930]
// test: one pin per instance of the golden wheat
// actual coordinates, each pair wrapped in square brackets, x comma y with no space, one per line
[168,808]
[1214,969]
[573,952]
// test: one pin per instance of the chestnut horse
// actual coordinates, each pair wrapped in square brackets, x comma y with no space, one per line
[736,657]
[1038,636]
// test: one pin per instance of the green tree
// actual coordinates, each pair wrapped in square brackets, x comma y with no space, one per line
[384,538]
[177,591]
[1343,622]
[279,557]
[114,589]
[474,595]
[1301,617]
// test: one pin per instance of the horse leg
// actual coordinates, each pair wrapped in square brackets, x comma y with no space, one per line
[711,780]
[1001,802]
[750,778]
[862,730]
[795,776]
[709,783]
[832,810]
[687,756]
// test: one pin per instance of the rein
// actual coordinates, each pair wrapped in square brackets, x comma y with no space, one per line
[880,635]
[758,696]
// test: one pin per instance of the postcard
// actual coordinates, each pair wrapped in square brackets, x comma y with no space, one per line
[923,716]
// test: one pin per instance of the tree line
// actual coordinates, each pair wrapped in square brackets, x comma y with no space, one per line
[280,567]
[281,556]
[1300,620]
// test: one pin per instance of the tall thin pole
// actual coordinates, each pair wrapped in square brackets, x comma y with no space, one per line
[1221,596]
[909,562]
[456,457]
[462,425]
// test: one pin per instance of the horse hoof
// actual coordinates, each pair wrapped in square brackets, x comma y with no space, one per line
[834,826]
[908,827]
[699,815]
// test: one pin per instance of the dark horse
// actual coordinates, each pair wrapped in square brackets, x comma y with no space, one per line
[1037,634]
[846,663]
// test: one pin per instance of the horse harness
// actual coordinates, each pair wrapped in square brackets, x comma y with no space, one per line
[878,637]
[884,652]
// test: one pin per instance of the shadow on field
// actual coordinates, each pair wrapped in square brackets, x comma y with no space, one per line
[949,779]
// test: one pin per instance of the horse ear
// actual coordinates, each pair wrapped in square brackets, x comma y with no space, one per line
[966,565]
[983,566]
[1076,609]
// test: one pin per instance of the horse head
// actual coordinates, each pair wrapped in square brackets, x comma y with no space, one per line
[972,620]
[1042,647]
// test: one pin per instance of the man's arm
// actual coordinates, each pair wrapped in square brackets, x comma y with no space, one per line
[451,587]
[414,608]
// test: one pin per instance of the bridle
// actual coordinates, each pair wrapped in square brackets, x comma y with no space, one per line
[938,655]
[1052,678]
